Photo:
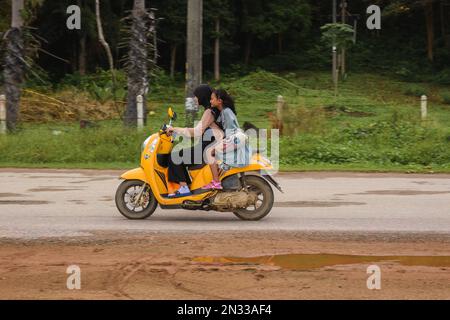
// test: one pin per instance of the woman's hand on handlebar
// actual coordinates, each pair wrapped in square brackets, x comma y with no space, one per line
[169,130]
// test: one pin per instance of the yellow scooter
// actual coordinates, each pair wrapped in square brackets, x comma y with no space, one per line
[247,192]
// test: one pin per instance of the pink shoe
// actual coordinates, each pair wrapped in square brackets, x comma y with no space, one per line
[213,185]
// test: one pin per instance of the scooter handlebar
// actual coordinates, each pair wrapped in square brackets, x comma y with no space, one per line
[164,130]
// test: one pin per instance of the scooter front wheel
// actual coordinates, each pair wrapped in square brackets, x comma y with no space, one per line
[135,200]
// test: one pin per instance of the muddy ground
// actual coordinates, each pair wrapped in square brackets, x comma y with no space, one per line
[228,265]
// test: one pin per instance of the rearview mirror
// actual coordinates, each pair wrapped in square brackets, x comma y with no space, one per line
[172,114]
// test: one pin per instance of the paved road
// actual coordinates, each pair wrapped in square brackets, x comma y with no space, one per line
[57,203]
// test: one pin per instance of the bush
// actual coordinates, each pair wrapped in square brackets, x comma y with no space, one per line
[394,141]
[106,92]
[100,85]
[280,62]
[415,90]
[101,78]
[446,97]
[38,79]
[261,85]
[442,77]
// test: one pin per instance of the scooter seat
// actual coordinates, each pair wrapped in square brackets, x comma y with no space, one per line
[193,167]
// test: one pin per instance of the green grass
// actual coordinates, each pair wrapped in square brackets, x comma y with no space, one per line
[85,165]
[353,167]
[366,167]
[373,124]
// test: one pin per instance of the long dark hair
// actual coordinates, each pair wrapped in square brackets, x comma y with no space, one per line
[228,101]
[203,94]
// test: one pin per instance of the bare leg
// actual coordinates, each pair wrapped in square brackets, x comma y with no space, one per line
[212,164]
[215,171]
[215,183]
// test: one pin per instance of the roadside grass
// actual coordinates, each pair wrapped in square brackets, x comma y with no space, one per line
[371,125]
[307,167]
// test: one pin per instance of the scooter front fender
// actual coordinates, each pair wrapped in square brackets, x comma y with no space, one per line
[135,174]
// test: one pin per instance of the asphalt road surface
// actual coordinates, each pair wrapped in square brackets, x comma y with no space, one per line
[65,203]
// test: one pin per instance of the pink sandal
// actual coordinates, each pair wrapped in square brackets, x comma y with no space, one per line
[213,185]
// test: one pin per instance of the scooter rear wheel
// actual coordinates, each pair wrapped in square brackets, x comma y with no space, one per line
[264,202]
[127,200]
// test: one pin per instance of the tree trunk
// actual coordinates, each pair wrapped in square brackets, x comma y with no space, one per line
[105,45]
[217,52]
[155,46]
[101,36]
[280,43]
[74,58]
[137,66]
[14,65]
[343,12]
[334,62]
[173,59]
[82,56]
[430,31]
[339,61]
[82,48]
[444,16]
[343,66]
[155,37]
[248,49]
[16,14]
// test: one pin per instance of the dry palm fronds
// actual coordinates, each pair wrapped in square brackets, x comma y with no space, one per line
[66,105]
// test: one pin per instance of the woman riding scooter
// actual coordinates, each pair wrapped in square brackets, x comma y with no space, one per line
[234,150]
[207,129]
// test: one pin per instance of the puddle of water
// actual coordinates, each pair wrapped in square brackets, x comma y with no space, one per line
[23,202]
[316,204]
[314,261]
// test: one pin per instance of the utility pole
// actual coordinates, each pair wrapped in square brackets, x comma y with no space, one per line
[194,56]
[217,52]
[334,73]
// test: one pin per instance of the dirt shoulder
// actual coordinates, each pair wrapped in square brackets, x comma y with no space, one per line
[228,265]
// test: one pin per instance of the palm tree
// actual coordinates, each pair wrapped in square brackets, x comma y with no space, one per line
[14,64]
[137,62]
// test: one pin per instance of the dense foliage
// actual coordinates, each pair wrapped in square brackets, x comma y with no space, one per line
[272,34]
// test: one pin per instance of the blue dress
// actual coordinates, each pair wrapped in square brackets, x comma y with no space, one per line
[234,150]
